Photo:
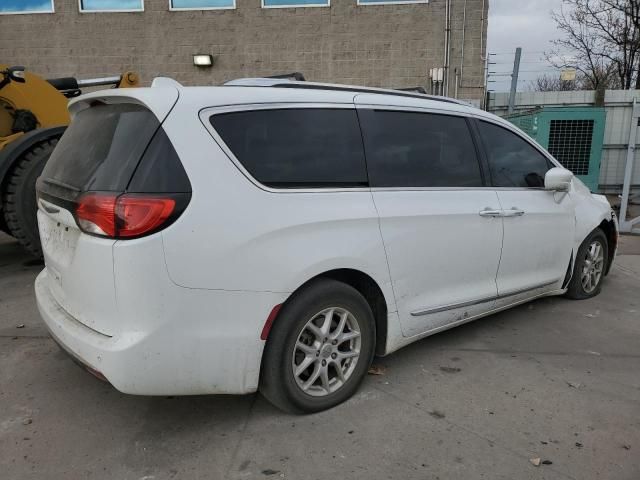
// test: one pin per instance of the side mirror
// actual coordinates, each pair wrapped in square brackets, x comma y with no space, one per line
[16,74]
[558,179]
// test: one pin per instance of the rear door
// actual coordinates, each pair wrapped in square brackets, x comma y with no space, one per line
[428,188]
[99,152]
[538,224]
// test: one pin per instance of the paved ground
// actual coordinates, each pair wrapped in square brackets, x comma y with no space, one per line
[557,380]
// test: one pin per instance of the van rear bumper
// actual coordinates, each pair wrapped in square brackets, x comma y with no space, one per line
[172,359]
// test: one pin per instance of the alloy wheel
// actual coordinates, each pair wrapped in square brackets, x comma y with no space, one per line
[593,267]
[326,351]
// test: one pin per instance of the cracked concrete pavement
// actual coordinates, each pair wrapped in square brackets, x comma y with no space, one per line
[554,379]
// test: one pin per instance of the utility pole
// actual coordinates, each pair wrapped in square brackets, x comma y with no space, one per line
[514,79]
[485,90]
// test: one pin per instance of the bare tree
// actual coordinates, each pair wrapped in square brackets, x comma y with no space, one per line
[552,83]
[603,41]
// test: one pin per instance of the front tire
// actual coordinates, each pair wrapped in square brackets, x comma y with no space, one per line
[19,198]
[590,267]
[319,349]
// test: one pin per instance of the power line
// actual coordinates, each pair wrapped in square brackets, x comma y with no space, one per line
[520,80]
[529,62]
[523,71]
[524,52]
[551,72]
[499,72]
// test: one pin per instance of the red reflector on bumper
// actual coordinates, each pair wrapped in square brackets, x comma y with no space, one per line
[267,325]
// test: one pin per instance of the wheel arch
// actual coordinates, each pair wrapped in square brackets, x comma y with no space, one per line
[369,288]
[595,212]
[611,232]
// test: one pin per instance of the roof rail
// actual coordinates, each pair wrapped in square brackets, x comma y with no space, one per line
[378,91]
[413,89]
[286,83]
[297,76]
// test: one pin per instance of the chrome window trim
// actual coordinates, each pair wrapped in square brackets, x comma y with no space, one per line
[455,189]
[469,115]
[208,112]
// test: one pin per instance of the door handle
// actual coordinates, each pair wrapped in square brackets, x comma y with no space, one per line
[488,212]
[513,212]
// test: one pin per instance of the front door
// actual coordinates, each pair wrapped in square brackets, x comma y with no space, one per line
[428,189]
[538,224]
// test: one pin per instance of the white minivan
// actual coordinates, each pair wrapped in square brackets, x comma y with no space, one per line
[273,234]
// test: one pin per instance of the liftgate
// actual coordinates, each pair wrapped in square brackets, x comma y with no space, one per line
[573,135]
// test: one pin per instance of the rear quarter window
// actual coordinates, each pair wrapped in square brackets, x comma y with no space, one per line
[296,148]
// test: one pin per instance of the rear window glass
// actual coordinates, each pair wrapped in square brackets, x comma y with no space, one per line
[296,148]
[101,148]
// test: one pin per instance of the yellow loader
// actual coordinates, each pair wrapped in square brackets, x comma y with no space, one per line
[33,117]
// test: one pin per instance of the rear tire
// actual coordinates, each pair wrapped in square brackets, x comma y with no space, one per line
[590,267]
[19,196]
[348,343]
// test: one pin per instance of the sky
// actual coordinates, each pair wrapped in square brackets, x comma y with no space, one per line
[520,23]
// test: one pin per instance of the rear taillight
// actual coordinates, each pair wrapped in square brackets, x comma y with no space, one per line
[127,215]
[95,214]
[137,215]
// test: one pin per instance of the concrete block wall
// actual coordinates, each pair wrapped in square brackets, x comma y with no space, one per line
[375,45]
